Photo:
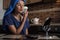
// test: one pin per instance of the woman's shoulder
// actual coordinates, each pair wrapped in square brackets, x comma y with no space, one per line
[7,16]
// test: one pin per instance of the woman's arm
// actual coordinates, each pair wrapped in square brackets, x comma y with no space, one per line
[18,31]
[26,31]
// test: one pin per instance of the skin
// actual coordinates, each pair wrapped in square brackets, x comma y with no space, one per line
[16,14]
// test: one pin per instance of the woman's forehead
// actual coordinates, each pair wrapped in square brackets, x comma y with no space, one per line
[20,1]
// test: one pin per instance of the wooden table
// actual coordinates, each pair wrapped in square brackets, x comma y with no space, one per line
[55,24]
[29,37]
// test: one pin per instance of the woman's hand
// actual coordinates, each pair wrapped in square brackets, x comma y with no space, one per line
[25,14]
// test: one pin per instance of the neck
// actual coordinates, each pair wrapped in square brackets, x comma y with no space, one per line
[18,16]
[16,13]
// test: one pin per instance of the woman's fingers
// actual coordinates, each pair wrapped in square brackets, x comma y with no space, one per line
[26,14]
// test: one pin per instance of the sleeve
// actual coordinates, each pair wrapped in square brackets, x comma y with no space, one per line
[27,23]
[8,21]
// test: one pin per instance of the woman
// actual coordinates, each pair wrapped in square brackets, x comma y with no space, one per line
[15,22]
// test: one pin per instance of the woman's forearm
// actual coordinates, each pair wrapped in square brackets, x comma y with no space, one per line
[26,31]
[18,31]
[23,22]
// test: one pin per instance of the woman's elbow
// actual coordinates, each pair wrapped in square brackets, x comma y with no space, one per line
[16,33]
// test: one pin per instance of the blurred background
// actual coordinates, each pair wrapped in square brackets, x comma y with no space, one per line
[40,9]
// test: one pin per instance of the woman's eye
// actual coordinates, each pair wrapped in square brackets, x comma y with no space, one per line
[18,5]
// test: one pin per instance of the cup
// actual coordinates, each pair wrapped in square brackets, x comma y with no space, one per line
[25,8]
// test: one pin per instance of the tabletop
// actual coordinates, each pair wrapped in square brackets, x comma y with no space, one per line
[28,37]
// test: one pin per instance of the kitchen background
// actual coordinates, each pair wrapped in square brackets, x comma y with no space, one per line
[1,11]
[38,8]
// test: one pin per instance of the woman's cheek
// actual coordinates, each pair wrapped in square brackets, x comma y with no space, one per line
[19,9]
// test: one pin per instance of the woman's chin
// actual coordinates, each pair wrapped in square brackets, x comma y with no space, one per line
[21,11]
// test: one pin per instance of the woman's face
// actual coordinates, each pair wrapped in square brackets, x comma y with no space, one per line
[19,6]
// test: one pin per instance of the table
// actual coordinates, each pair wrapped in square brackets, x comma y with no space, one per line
[29,37]
[52,24]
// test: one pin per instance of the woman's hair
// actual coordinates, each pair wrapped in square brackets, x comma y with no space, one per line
[15,7]
[13,11]
[12,7]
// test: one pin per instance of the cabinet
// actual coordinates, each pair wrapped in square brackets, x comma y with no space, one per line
[32,1]
[6,4]
[58,1]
